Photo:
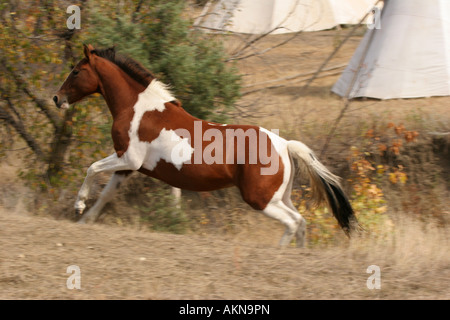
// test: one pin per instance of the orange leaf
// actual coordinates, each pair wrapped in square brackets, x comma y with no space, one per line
[382,148]
[399,130]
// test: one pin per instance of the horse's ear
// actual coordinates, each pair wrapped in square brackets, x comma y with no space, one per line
[88,50]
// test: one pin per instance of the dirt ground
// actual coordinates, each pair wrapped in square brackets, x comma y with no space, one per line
[122,262]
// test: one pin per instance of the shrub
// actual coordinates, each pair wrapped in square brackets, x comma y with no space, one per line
[371,165]
[161,39]
[158,210]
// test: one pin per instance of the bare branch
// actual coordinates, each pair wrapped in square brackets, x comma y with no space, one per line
[40,103]
[350,34]
[20,128]
[238,55]
[265,50]
[335,126]
[295,76]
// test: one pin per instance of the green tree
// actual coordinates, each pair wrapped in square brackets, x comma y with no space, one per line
[156,35]
[32,48]
[37,50]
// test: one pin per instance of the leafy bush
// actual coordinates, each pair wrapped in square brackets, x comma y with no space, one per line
[371,165]
[161,39]
[161,214]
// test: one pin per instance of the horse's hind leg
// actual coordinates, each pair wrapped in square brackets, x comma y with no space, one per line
[300,234]
[290,218]
[106,196]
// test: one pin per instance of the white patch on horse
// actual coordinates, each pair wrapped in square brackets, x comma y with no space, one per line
[168,145]
[278,142]
[280,145]
[280,206]
[157,89]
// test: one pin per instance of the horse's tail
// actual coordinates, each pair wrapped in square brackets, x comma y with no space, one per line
[326,188]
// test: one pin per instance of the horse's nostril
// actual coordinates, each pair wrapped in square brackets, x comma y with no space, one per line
[55,99]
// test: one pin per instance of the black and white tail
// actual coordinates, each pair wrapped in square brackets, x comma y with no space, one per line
[326,188]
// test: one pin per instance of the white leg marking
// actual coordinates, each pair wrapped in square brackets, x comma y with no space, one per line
[280,206]
[278,210]
[151,99]
[109,164]
[300,235]
[106,196]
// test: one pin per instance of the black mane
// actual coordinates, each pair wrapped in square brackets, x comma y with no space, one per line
[131,67]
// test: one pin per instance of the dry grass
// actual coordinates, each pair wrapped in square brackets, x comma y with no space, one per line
[124,263]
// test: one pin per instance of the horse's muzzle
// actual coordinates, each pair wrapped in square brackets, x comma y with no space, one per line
[61,103]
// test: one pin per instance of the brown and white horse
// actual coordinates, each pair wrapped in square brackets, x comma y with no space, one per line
[154,135]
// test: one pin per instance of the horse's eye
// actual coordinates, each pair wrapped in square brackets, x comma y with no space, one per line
[75,72]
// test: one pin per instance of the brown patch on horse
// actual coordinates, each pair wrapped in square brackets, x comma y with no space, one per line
[131,71]
[256,189]
[120,136]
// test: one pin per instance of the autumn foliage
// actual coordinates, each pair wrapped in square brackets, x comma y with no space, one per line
[371,164]
[37,51]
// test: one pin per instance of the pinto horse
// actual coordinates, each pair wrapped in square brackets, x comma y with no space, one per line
[154,135]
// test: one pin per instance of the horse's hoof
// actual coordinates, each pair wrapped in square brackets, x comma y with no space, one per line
[78,212]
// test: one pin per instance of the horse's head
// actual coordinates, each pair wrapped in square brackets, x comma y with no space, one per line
[81,82]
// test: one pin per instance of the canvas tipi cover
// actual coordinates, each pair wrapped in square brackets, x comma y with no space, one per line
[281,16]
[408,57]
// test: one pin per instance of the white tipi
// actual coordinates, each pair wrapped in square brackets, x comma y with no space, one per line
[407,57]
[281,16]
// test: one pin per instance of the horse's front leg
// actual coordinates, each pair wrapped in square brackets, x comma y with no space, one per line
[110,164]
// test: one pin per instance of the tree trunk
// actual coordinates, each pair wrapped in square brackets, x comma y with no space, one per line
[61,141]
